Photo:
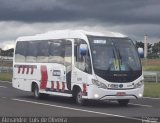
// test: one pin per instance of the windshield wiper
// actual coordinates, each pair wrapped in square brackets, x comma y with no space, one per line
[120,60]
[114,62]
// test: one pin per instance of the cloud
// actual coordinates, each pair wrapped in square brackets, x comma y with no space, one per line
[12,30]
[130,17]
[102,11]
[34,11]
[137,31]
[7,45]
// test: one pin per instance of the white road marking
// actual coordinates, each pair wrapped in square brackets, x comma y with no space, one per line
[149,106]
[76,109]
[3,87]
[4,97]
[151,98]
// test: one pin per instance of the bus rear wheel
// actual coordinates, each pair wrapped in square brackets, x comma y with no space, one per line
[123,102]
[37,94]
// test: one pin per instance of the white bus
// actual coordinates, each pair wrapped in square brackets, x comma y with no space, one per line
[79,64]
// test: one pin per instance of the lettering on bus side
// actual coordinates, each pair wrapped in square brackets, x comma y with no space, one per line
[56,73]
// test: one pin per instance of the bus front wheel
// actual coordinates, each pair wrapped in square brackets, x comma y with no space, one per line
[78,97]
[123,102]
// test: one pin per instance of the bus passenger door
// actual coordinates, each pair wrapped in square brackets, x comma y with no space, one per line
[68,62]
[82,63]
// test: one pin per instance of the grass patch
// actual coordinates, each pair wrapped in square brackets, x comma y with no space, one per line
[151,68]
[150,64]
[152,89]
[6,76]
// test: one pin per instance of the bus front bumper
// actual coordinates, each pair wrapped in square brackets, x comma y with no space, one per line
[96,93]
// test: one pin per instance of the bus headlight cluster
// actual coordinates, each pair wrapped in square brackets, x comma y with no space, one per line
[99,84]
[139,84]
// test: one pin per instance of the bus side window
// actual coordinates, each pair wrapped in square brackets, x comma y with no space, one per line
[20,52]
[82,62]
[56,52]
[43,52]
[31,55]
[68,53]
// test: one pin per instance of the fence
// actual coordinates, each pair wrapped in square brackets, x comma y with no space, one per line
[6,64]
[152,76]
[6,69]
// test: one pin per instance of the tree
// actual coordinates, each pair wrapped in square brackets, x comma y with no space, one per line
[141,45]
[156,48]
[8,52]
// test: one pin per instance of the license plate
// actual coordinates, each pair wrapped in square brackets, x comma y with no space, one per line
[121,94]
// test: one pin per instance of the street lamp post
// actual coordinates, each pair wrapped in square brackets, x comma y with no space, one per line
[145,46]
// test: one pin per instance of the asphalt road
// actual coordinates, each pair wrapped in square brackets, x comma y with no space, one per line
[17,103]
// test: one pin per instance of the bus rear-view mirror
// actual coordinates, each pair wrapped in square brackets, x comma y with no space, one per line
[141,52]
[83,49]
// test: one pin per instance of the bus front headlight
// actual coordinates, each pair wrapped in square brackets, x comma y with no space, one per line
[139,84]
[99,84]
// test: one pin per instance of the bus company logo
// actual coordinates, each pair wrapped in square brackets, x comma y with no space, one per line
[120,85]
[56,72]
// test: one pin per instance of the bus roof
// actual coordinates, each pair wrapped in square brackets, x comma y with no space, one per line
[60,34]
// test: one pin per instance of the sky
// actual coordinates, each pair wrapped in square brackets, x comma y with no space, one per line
[134,18]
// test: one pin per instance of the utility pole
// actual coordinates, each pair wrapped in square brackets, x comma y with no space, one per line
[145,46]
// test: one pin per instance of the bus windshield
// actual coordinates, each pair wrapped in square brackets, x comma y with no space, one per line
[114,55]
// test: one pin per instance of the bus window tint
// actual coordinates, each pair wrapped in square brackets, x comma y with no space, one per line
[43,52]
[20,52]
[32,52]
[56,52]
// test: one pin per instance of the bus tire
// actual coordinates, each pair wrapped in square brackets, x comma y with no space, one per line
[38,95]
[78,97]
[123,102]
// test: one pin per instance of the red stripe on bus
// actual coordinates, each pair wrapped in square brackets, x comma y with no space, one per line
[52,85]
[23,69]
[84,88]
[19,69]
[57,88]
[27,69]
[44,77]
[63,86]
[32,69]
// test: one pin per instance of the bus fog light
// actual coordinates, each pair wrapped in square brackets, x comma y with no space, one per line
[140,95]
[96,95]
